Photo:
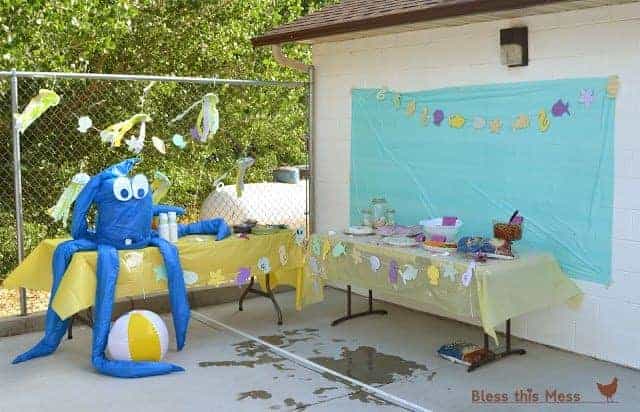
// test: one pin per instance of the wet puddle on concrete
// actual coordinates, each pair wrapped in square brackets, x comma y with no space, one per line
[363,363]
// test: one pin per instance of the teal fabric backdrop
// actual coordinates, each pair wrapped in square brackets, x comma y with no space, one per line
[561,179]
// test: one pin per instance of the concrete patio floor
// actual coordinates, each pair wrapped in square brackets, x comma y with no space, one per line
[225,372]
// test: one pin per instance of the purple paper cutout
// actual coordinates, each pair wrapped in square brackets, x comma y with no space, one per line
[196,136]
[449,221]
[587,97]
[393,272]
[243,276]
[559,108]
[438,117]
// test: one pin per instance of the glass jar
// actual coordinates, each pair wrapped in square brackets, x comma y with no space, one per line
[366,217]
[390,217]
[378,207]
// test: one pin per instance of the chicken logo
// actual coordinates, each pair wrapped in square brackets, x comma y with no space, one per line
[609,389]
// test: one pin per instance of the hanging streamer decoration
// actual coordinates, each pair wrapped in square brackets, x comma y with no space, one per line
[60,211]
[115,133]
[208,119]
[36,107]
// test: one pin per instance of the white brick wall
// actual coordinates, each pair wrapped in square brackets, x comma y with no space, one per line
[593,42]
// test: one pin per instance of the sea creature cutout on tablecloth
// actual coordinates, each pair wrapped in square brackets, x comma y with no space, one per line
[521,122]
[326,248]
[559,108]
[613,85]
[338,250]
[216,278]
[299,236]
[424,116]
[438,117]
[467,276]
[495,126]
[243,276]
[264,264]
[160,273]
[479,123]
[450,272]
[408,273]
[411,108]
[160,186]
[115,133]
[433,274]
[456,121]
[316,246]
[315,266]
[381,94]
[158,143]
[179,141]
[587,96]
[84,124]
[393,272]
[35,108]
[133,261]
[282,254]
[375,263]
[397,101]
[543,121]
[190,278]
[357,256]
[60,211]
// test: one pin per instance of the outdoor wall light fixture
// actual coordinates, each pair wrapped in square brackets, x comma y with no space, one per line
[514,46]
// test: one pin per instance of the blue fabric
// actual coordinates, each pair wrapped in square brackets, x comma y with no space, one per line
[124,216]
[560,180]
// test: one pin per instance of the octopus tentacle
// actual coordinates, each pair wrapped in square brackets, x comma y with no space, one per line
[55,327]
[177,290]
[107,273]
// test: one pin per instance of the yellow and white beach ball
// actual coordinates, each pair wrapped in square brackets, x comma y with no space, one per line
[139,335]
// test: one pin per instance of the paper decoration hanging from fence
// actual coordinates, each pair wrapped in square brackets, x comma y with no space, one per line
[160,186]
[208,119]
[178,141]
[39,104]
[60,211]
[158,143]
[115,133]
[84,124]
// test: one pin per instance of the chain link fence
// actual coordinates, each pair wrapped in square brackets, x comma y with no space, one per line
[264,120]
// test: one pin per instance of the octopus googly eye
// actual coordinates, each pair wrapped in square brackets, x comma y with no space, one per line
[140,186]
[122,189]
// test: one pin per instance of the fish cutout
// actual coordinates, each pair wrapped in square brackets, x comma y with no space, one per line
[316,246]
[438,117]
[424,116]
[613,85]
[559,108]
[456,121]
[216,278]
[587,96]
[433,273]
[381,94]
[39,104]
[338,250]
[495,126]
[467,276]
[479,123]
[264,264]
[190,278]
[299,237]
[357,256]
[521,122]
[375,263]
[160,273]
[397,100]
[450,272]
[408,273]
[326,248]
[158,143]
[411,108]
[179,141]
[393,272]
[315,267]
[243,276]
[543,121]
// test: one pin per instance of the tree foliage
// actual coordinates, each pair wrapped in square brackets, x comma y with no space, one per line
[178,37]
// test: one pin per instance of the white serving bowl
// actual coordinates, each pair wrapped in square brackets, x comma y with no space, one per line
[434,227]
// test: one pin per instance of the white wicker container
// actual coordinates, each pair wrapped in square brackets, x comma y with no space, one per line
[434,227]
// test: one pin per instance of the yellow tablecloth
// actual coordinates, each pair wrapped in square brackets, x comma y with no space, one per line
[204,261]
[498,290]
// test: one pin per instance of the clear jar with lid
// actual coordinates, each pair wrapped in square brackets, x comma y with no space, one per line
[378,207]
[390,217]
[367,219]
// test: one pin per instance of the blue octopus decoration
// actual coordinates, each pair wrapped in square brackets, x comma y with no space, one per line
[124,213]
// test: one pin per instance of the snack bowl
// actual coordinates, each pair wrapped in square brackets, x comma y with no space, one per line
[434,227]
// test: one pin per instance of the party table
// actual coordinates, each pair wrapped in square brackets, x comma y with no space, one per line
[273,259]
[491,292]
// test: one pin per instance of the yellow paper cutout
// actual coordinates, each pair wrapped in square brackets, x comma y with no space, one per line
[424,116]
[543,121]
[521,122]
[326,248]
[397,100]
[216,278]
[411,108]
[381,94]
[456,121]
[495,126]
[613,85]
[357,256]
[433,273]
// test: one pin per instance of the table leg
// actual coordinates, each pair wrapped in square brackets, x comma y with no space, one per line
[359,314]
[268,294]
[70,329]
[493,357]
